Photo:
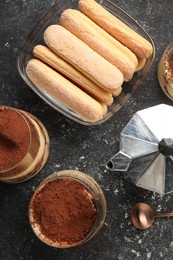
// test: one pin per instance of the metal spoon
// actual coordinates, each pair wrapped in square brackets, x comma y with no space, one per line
[142,216]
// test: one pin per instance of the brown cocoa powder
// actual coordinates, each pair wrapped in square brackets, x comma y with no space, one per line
[14,138]
[170,65]
[64,211]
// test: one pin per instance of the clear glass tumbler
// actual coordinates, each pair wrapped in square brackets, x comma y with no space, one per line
[62,213]
[24,145]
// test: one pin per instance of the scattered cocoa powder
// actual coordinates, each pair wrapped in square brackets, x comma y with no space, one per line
[64,210]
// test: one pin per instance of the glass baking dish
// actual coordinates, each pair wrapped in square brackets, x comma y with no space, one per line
[36,37]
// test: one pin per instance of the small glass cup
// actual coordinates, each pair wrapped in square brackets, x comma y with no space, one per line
[94,192]
[165,71]
[36,151]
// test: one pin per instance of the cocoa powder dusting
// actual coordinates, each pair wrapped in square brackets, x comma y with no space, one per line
[64,210]
[14,138]
[35,140]
[170,61]
[169,65]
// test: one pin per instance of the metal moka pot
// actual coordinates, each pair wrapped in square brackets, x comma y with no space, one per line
[146,149]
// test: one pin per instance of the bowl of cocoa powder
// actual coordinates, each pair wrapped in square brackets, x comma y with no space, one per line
[67,209]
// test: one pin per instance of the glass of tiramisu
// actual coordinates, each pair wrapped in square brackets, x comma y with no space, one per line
[165,71]
[24,145]
[67,209]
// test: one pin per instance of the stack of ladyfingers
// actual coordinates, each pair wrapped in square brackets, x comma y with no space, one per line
[87,57]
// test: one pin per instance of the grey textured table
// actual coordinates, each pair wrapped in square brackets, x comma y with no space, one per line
[74,146]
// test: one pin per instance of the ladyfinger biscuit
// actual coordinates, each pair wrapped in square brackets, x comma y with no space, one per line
[86,30]
[117,92]
[141,63]
[135,42]
[47,56]
[82,57]
[64,91]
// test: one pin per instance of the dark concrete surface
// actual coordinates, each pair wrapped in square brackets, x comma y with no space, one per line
[85,148]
